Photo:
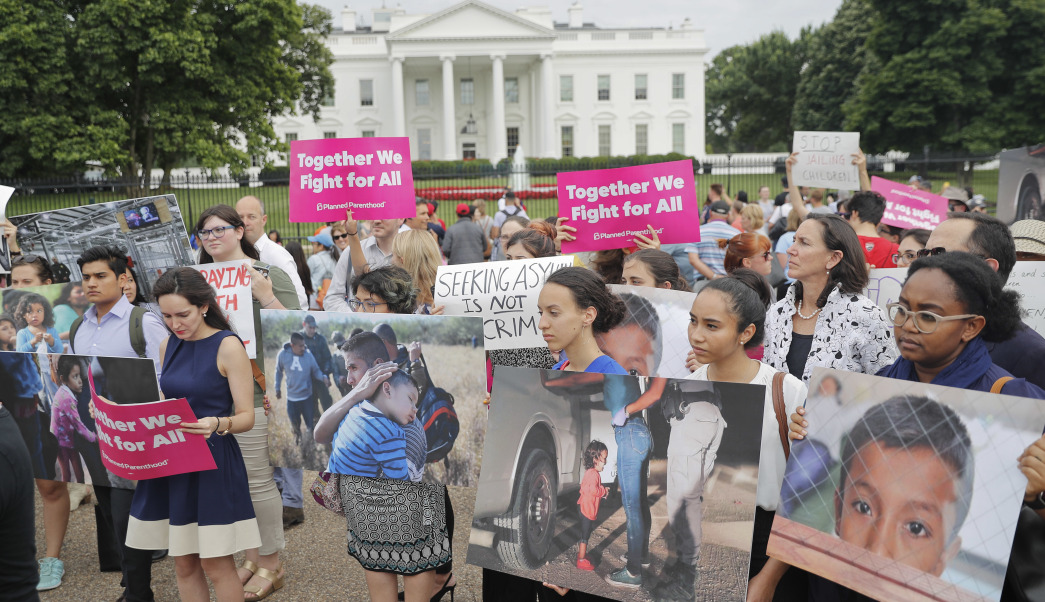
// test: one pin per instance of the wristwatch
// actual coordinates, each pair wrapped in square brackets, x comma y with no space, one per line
[1038,503]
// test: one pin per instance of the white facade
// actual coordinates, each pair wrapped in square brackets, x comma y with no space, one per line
[408,75]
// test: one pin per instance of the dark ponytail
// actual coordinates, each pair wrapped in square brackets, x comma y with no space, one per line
[749,296]
[588,290]
[662,266]
[980,289]
[191,285]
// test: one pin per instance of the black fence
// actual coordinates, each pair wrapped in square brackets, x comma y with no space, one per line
[446,184]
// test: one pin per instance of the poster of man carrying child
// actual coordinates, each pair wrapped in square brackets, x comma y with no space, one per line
[425,419]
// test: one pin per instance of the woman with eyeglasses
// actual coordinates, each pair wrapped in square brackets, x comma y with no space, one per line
[221,234]
[823,320]
[911,241]
[950,307]
[385,290]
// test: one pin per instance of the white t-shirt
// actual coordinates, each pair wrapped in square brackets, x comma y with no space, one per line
[771,463]
[273,254]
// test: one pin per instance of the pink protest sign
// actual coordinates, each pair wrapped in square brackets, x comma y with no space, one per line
[608,207]
[909,208]
[142,440]
[370,176]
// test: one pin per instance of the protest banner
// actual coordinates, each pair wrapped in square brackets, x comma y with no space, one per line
[903,490]
[825,160]
[503,293]
[231,282]
[608,207]
[1027,278]
[653,337]
[449,372]
[702,499]
[907,207]
[143,440]
[370,176]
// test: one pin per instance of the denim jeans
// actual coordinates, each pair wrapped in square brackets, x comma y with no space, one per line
[288,480]
[633,449]
[297,410]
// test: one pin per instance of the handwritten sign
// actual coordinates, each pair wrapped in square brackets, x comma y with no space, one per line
[610,206]
[503,293]
[370,176]
[143,441]
[825,160]
[909,208]
[231,282]
[1027,277]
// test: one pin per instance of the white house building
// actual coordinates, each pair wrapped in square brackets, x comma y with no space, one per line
[475,81]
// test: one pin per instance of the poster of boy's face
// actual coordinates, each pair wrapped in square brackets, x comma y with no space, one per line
[918,482]
[425,422]
[48,397]
[561,484]
[652,339]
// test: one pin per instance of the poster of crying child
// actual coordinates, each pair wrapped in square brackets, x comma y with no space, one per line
[573,493]
[424,422]
[905,491]
[48,396]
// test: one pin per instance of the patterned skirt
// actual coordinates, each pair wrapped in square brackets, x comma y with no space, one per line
[396,526]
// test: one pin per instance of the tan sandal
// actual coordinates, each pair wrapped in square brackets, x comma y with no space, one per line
[247,565]
[275,584]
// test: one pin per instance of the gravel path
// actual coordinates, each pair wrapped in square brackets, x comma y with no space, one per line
[318,567]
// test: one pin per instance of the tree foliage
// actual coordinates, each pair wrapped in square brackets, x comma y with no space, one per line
[751,93]
[144,85]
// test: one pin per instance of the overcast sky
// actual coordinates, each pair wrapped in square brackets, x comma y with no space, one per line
[724,23]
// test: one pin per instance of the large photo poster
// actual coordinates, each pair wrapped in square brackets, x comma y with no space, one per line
[562,490]
[314,359]
[48,396]
[653,338]
[905,491]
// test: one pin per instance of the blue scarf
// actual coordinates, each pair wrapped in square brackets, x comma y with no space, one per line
[965,371]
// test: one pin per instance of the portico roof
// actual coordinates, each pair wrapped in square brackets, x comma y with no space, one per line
[471,20]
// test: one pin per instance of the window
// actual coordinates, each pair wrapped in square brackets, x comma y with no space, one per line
[368,133]
[421,92]
[567,141]
[468,150]
[330,134]
[511,90]
[604,141]
[255,160]
[604,87]
[641,139]
[640,86]
[678,86]
[328,99]
[566,88]
[513,140]
[424,143]
[468,91]
[366,92]
[678,138]
[291,137]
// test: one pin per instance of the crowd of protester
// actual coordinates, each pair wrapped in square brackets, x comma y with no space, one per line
[779,290]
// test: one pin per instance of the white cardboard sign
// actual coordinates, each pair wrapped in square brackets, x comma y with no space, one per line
[825,160]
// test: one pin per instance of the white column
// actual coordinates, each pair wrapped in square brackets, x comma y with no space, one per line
[398,103]
[547,115]
[449,121]
[498,139]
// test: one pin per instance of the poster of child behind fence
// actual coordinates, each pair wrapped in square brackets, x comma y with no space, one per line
[571,492]
[653,338]
[48,396]
[424,421]
[903,490]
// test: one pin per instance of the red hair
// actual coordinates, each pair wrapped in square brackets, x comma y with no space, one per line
[742,246]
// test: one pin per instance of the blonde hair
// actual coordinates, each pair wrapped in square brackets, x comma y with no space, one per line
[754,214]
[793,221]
[420,257]
[480,206]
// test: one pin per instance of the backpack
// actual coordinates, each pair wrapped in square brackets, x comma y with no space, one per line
[136,331]
[439,419]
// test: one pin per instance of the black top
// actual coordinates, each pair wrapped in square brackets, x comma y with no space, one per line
[798,354]
[18,569]
[1021,355]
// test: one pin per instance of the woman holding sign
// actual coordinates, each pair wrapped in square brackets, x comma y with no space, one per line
[203,517]
[824,320]
[221,234]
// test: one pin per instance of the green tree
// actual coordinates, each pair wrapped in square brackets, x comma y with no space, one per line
[836,56]
[958,75]
[159,81]
[751,93]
